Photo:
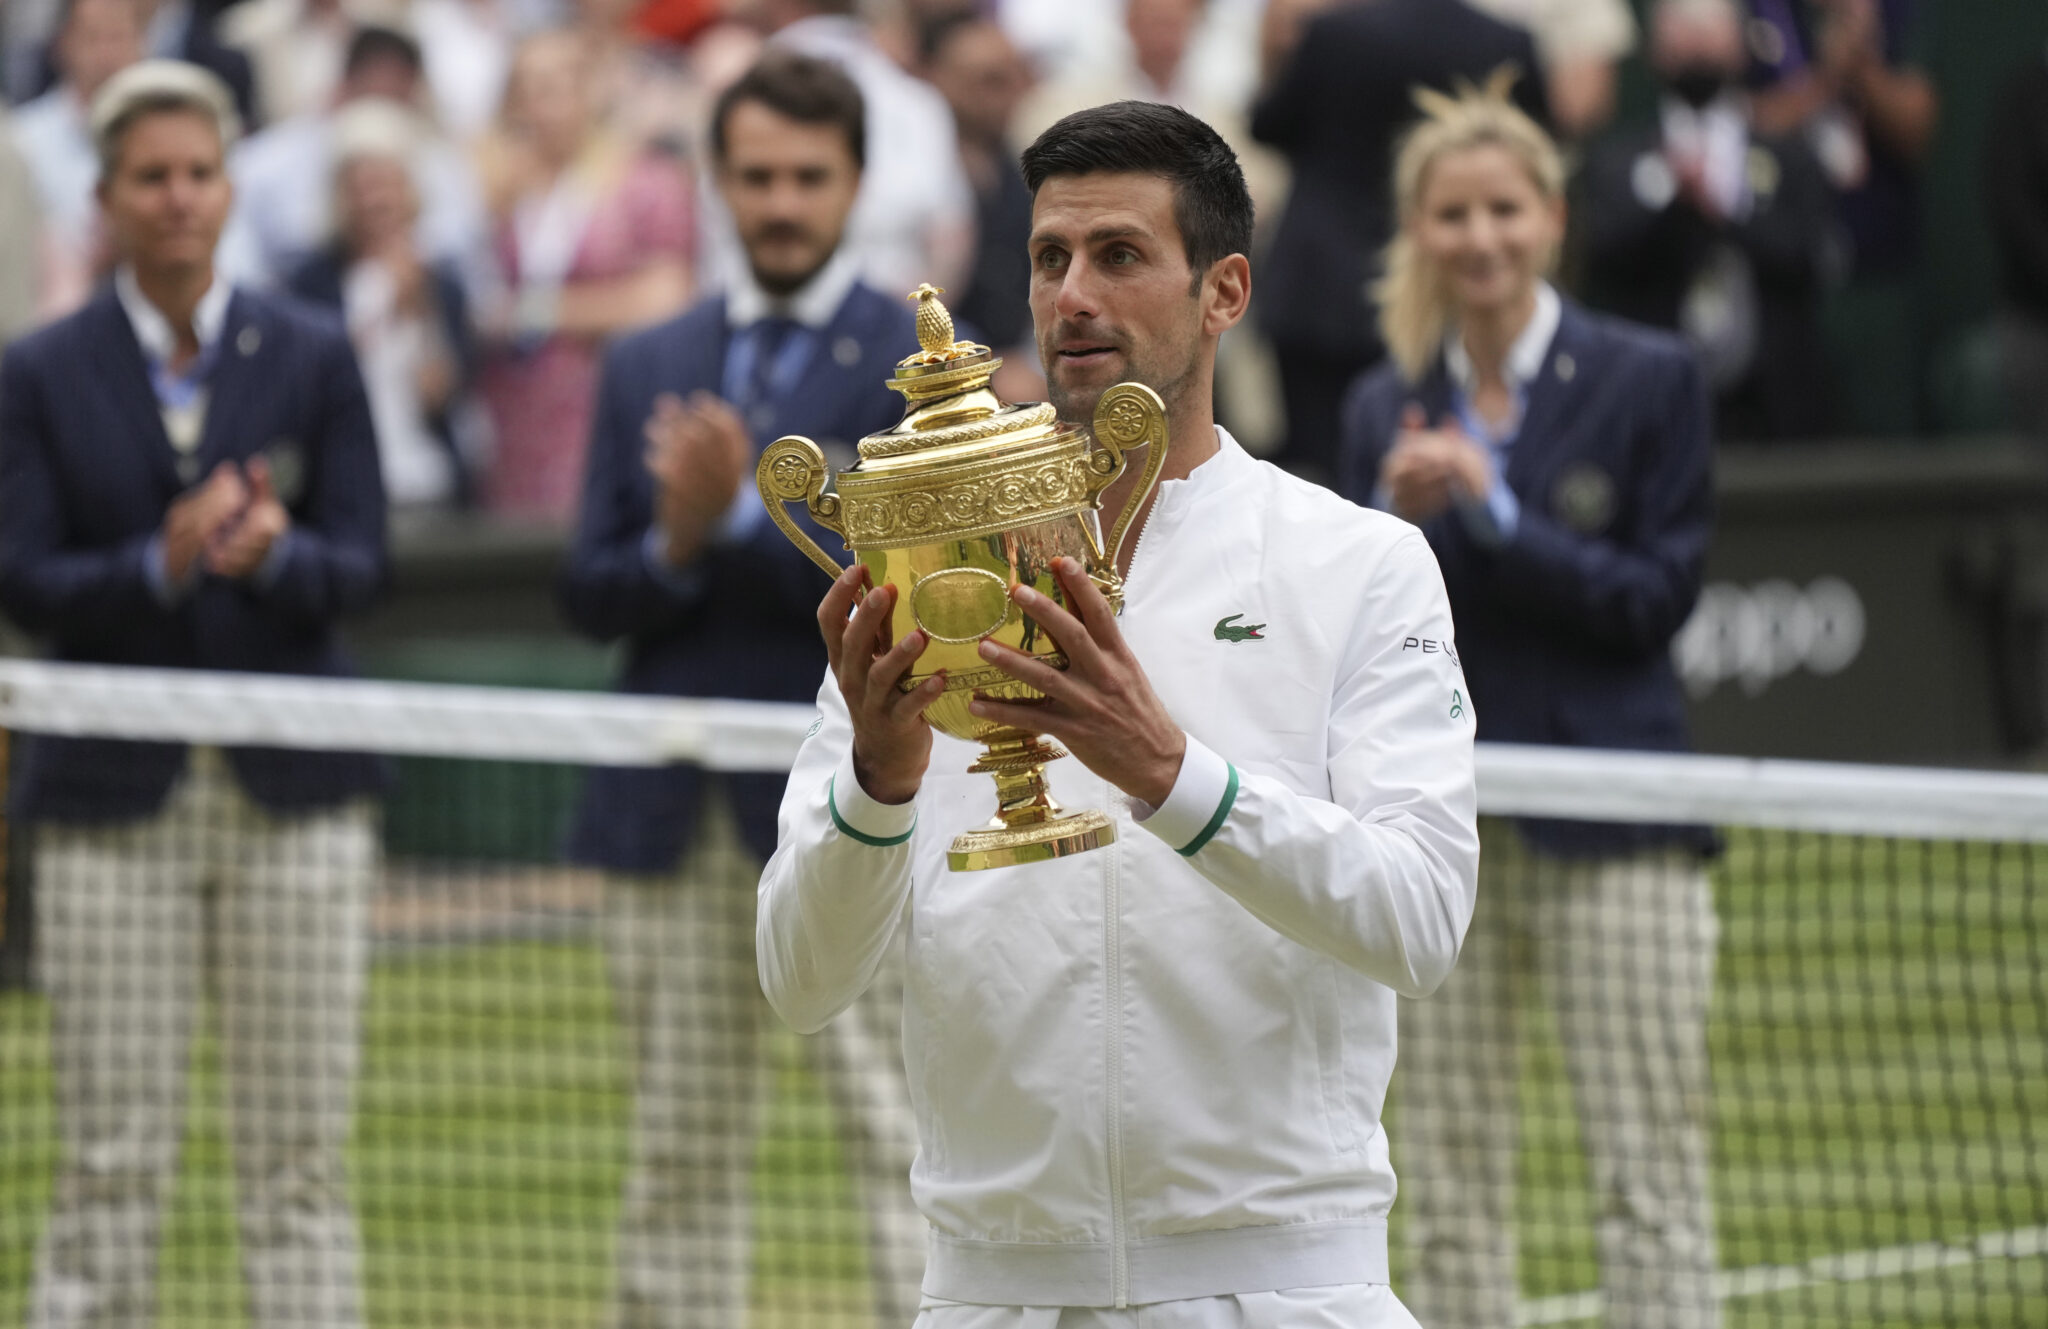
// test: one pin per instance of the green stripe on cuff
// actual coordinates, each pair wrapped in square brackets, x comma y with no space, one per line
[879,842]
[1194,846]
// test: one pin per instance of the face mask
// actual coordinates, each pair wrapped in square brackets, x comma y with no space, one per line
[1697,85]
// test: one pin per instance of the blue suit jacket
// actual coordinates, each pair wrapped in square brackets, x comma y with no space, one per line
[751,629]
[86,475]
[1565,630]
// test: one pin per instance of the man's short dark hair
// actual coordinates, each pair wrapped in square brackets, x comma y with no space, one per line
[797,87]
[372,42]
[1210,203]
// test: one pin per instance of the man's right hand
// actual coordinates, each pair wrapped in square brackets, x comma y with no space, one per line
[892,743]
[198,515]
[698,452]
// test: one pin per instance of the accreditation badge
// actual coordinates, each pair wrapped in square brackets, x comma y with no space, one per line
[1584,498]
[287,459]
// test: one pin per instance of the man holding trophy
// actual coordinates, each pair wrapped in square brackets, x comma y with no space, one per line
[1149,1032]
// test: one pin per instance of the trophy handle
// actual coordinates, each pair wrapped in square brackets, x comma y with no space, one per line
[1129,415]
[793,470]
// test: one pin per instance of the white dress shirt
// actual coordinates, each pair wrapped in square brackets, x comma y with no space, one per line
[181,400]
[1493,516]
[391,346]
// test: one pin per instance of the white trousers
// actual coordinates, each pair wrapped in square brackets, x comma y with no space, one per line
[1622,952]
[137,920]
[681,950]
[1349,1306]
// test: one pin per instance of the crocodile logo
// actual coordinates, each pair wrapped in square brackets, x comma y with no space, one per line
[1226,632]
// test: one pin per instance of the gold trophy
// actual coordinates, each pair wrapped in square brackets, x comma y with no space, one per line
[964,499]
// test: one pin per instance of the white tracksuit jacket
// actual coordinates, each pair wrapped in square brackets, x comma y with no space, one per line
[1154,1071]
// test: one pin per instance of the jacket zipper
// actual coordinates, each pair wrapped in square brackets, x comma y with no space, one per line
[1120,1278]
[1113,1023]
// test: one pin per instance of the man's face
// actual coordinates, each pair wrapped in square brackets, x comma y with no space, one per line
[101,38]
[1110,290]
[167,195]
[790,186]
[982,78]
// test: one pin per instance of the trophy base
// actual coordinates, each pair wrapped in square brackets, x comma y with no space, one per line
[1001,846]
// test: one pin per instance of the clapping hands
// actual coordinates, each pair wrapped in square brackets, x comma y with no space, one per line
[1429,469]
[226,526]
[697,451]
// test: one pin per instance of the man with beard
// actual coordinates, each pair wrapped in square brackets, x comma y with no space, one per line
[675,556]
[1150,1075]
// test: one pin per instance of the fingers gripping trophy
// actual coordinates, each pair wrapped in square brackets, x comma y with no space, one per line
[963,500]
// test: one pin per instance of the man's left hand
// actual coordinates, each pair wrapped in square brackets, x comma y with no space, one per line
[243,544]
[1102,707]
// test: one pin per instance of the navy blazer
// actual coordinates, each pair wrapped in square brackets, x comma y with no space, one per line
[86,475]
[749,629]
[1565,629]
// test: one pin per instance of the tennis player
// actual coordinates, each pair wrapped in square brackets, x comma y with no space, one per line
[1151,1075]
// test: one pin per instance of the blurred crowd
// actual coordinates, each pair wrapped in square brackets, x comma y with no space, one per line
[489,190]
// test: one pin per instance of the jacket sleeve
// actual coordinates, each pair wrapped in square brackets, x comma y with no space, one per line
[1626,239]
[335,560]
[1785,235]
[1381,875]
[608,589]
[1627,594]
[1363,438]
[46,585]
[838,884]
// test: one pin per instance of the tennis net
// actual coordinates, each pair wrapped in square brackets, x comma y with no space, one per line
[408,1063]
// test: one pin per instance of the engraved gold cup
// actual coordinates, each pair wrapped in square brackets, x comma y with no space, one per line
[964,499]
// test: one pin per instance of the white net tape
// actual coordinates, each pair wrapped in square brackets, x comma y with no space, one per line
[516,724]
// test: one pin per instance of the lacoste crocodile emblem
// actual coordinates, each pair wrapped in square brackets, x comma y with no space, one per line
[1249,632]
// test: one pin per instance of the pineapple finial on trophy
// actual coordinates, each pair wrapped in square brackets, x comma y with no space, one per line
[934,322]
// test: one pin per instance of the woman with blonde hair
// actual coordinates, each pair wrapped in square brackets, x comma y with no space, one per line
[1558,462]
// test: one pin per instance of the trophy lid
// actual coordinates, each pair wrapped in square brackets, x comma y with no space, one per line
[949,404]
